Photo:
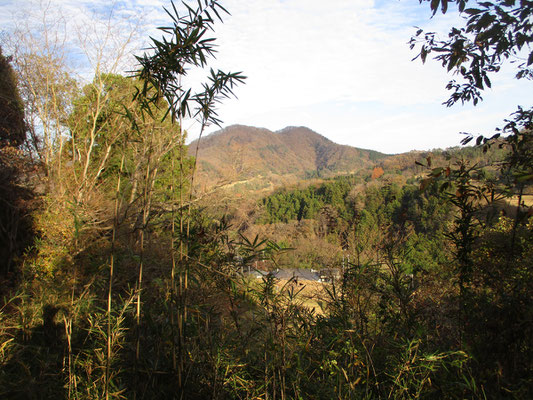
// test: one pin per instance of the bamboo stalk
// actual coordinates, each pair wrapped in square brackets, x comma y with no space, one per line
[173,266]
[111,273]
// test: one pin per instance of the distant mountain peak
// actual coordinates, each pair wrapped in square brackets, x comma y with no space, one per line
[292,127]
[246,154]
[304,132]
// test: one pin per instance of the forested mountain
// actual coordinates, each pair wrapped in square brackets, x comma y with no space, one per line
[261,157]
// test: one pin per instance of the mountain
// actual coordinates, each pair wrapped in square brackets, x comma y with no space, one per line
[260,158]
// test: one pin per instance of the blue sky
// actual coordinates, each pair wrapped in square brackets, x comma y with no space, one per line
[340,67]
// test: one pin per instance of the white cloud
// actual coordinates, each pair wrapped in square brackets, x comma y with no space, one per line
[341,67]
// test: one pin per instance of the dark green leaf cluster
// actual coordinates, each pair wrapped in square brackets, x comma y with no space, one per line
[12,125]
[164,67]
[495,31]
[15,231]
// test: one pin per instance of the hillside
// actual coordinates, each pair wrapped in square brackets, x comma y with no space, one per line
[261,158]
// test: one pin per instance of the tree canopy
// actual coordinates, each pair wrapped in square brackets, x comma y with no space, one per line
[494,32]
[12,126]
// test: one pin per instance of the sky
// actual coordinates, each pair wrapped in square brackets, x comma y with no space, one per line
[342,68]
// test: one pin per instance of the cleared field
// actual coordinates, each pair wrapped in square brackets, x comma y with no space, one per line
[310,293]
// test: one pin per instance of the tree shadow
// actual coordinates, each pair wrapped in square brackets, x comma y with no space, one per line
[35,368]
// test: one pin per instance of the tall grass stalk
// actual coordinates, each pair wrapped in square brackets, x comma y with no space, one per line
[111,274]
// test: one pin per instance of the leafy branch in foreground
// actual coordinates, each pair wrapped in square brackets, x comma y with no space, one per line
[172,57]
[494,32]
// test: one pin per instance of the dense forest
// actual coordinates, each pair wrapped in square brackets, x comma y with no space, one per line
[118,280]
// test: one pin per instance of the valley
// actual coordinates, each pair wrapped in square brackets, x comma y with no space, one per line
[266,264]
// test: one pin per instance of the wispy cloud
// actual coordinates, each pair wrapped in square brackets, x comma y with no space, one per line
[341,67]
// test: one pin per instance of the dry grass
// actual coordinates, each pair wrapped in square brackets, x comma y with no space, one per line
[309,292]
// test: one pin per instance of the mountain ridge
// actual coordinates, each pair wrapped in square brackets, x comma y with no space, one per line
[245,153]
